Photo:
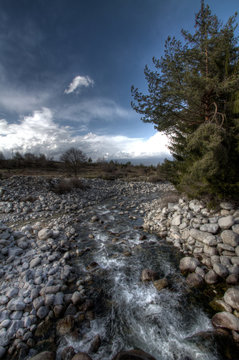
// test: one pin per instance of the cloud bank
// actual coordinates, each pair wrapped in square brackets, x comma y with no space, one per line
[78,82]
[39,133]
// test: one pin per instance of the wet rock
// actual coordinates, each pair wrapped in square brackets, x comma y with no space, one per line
[188,264]
[148,275]
[45,355]
[231,297]
[2,352]
[67,353]
[211,277]
[77,298]
[160,284]
[194,280]
[94,346]
[81,356]
[225,320]
[65,325]
[219,305]
[133,355]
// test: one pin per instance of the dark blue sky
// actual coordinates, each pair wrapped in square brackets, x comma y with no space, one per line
[103,45]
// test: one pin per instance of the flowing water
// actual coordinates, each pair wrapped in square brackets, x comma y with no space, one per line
[131,314]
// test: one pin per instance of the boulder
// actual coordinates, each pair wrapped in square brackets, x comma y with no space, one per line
[225,320]
[45,233]
[220,270]
[226,222]
[204,237]
[160,284]
[81,356]
[194,280]
[133,355]
[65,325]
[231,297]
[211,277]
[210,228]
[188,264]
[67,353]
[232,279]
[229,237]
[45,355]
[96,342]
[148,275]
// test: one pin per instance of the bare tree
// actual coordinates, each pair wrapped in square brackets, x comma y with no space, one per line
[73,159]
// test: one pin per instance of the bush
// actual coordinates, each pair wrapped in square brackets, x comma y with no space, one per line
[67,185]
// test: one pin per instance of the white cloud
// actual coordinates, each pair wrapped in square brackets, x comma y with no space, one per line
[96,108]
[20,101]
[39,133]
[78,82]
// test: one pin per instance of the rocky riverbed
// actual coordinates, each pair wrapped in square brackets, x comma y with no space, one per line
[76,271]
[37,247]
[210,241]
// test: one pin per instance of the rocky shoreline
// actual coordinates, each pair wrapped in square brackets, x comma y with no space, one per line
[42,299]
[210,241]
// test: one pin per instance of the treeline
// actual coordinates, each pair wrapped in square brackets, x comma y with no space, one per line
[193,97]
[27,160]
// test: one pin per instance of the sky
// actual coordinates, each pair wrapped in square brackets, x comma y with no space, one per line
[66,70]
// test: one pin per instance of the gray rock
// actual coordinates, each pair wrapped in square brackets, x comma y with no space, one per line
[49,299]
[226,222]
[234,269]
[194,280]
[210,228]
[5,323]
[237,251]
[77,297]
[45,233]
[235,260]
[176,221]
[59,298]
[232,279]
[226,206]
[226,247]
[225,260]
[16,305]
[35,262]
[15,326]
[16,315]
[188,264]
[208,250]
[231,297]
[204,237]
[38,302]
[235,228]
[211,277]
[230,238]
[3,300]
[42,312]
[220,270]
[225,320]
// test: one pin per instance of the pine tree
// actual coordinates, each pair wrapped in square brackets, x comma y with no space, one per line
[195,84]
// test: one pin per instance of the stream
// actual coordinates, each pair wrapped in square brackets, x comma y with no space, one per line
[129,313]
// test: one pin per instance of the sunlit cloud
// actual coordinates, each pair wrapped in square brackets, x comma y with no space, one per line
[39,133]
[78,82]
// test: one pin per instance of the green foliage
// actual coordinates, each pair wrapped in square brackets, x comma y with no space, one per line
[193,97]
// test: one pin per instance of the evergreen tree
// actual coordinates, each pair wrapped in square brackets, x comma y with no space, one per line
[195,84]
